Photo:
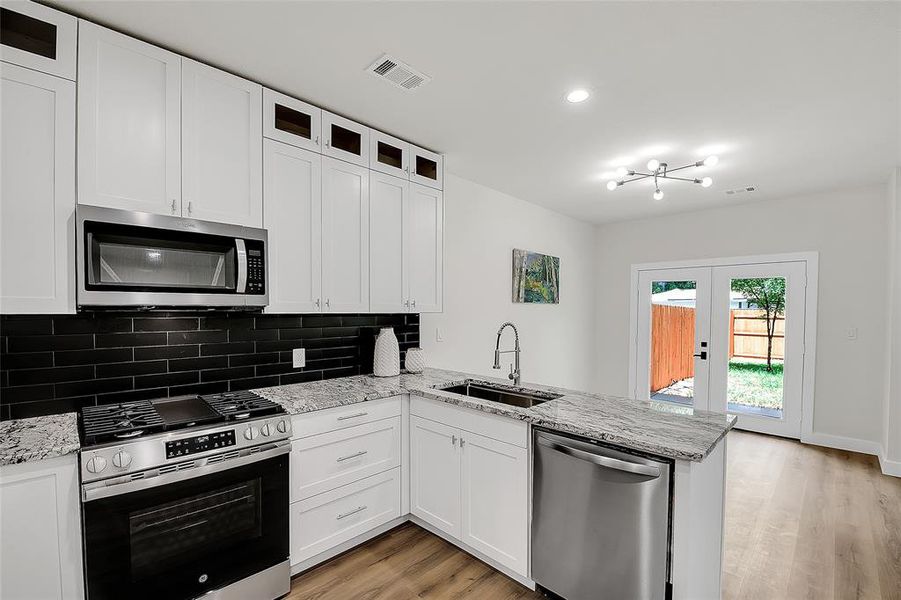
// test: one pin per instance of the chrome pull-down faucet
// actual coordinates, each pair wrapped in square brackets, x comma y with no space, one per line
[514,373]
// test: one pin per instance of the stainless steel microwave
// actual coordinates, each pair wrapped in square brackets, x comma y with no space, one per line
[135,259]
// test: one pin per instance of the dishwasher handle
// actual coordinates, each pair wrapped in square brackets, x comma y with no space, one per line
[602,461]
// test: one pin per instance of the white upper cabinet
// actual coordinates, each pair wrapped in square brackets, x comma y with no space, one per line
[37,37]
[292,211]
[427,168]
[388,207]
[222,145]
[37,192]
[291,121]
[345,139]
[425,255]
[389,154]
[345,236]
[129,123]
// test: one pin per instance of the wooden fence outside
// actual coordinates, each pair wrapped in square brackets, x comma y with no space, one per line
[673,341]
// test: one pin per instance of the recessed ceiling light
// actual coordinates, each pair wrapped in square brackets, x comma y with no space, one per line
[578,95]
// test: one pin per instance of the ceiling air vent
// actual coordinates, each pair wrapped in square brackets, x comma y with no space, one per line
[398,73]
[748,189]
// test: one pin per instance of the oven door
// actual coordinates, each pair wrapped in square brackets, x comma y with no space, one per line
[139,259]
[188,536]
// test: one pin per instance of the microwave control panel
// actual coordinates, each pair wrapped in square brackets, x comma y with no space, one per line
[200,443]
[256,267]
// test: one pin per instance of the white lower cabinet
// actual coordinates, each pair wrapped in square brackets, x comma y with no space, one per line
[37,192]
[472,486]
[40,531]
[321,522]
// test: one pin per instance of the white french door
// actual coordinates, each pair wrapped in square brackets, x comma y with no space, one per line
[725,338]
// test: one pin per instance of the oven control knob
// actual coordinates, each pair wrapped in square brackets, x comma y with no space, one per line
[251,433]
[282,426]
[266,430]
[96,464]
[121,459]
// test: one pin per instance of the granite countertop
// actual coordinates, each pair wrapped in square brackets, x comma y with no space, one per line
[659,428]
[38,438]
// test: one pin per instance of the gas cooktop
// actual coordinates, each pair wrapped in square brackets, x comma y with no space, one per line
[119,422]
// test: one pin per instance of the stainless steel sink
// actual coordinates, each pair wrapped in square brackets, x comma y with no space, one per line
[499,393]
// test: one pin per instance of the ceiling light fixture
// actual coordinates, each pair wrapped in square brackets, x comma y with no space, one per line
[577,96]
[660,170]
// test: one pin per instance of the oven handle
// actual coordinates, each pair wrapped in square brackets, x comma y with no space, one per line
[107,488]
[242,265]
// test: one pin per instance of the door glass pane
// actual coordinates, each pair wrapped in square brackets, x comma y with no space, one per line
[124,264]
[293,121]
[673,341]
[347,140]
[756,346]
[426,167]
[390,155]
[27,33]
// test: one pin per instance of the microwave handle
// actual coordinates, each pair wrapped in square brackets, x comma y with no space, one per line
[89,253]
[242,266]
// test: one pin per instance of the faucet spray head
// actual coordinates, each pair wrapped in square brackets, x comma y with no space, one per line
[497,359]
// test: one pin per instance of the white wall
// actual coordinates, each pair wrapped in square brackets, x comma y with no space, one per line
[846,227]
[892,414]
[483,226]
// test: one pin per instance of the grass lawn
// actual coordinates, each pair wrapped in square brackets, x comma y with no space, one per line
[752,385]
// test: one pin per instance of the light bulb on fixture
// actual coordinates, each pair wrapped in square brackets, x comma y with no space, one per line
[706,182]
[612,185]
[576,96]
[711,161]
[658,195]
[653,164]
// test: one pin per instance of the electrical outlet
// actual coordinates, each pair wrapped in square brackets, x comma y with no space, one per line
[299,356]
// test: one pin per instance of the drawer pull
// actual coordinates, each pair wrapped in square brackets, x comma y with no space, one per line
[350,456]
[345,417]
[351,512]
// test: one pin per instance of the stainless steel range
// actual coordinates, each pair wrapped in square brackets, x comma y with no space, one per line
[186,497]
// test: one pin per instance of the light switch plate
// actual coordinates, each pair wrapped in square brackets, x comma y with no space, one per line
[299,357]
[439,337]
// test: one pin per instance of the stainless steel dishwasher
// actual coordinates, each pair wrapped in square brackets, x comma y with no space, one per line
[600,520]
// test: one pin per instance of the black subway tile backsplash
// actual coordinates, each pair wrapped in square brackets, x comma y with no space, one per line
[60,363]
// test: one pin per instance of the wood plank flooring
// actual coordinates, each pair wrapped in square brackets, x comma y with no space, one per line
[801,522]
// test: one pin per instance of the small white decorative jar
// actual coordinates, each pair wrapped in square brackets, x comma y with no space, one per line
[386,358]
[415,360]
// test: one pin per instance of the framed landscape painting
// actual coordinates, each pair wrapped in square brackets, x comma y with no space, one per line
[536,277]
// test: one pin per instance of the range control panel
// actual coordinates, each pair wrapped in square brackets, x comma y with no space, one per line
[200,443]
[256,267]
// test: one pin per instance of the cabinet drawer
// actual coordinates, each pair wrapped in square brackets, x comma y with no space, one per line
[342,417]
[503,429]
[323,462]
[324,521]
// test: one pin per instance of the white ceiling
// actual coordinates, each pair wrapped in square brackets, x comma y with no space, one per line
[794,97]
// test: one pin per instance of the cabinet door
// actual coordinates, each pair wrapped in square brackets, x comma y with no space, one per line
[345,236]
[40,531]
[388,286]
[345,139]
[292,210]
[37,37]
[291,121]
[37,192]
[129,123]
[389,154]
[435,474]
[222,140]
[427,168]
[425,255]
[496,500]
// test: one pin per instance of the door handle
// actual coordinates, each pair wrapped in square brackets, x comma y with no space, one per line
[702,355]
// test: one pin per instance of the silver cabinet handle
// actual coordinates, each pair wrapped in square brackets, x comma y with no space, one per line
[351,512]
[317,302]
[462,441]
[173,206]
[413,303]
[328,302]
[350,456]
[407,303]
[453,440]
[317,140]
[407,169]
[190,208]
[354,416]
[602,461]
[328,144]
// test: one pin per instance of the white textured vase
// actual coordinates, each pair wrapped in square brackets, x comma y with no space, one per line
[414,360]
[386,358]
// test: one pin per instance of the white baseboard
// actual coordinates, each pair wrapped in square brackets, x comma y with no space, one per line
[888,467]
